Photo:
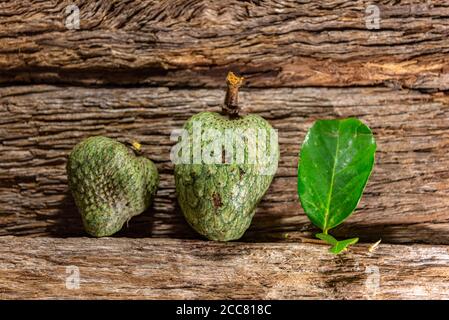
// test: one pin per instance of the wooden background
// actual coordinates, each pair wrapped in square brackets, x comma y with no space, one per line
[139,69]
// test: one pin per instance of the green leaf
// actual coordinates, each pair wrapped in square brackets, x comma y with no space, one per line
[336,160]
[327,237]
[337,246]
[342,245]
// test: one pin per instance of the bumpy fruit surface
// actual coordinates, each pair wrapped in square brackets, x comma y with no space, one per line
[109,183]
[219,200]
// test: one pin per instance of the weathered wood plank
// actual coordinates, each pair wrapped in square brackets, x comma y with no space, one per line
[194,43]
[36,268]
[406,199]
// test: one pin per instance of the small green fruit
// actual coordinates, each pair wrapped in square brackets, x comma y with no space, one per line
[109,183]
[219,199]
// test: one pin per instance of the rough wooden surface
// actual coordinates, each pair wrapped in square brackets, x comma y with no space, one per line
[194,43]
[167,268]
[406,199]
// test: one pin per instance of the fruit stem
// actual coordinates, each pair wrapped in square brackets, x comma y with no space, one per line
[135,146]
[231,105]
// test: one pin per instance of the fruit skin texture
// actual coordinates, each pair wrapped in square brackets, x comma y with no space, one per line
[109,183]
[219,200]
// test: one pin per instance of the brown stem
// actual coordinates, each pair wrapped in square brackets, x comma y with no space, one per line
[231,105]
[135,146]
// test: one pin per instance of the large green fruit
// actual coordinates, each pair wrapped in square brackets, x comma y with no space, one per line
[219,198]
[109,183]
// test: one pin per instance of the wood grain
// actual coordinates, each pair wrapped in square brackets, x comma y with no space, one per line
[406,199]
[194,43]
[36,268]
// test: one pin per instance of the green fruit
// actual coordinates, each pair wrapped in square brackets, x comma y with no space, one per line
[109,183]
[219,199]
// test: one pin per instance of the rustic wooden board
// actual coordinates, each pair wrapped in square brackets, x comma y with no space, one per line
[194,43]
[165,268]
[406,199]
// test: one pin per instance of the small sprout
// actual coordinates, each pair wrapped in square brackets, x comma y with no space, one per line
[337,246]
[374,246]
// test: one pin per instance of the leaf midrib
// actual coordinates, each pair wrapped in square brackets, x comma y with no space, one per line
[329,196]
